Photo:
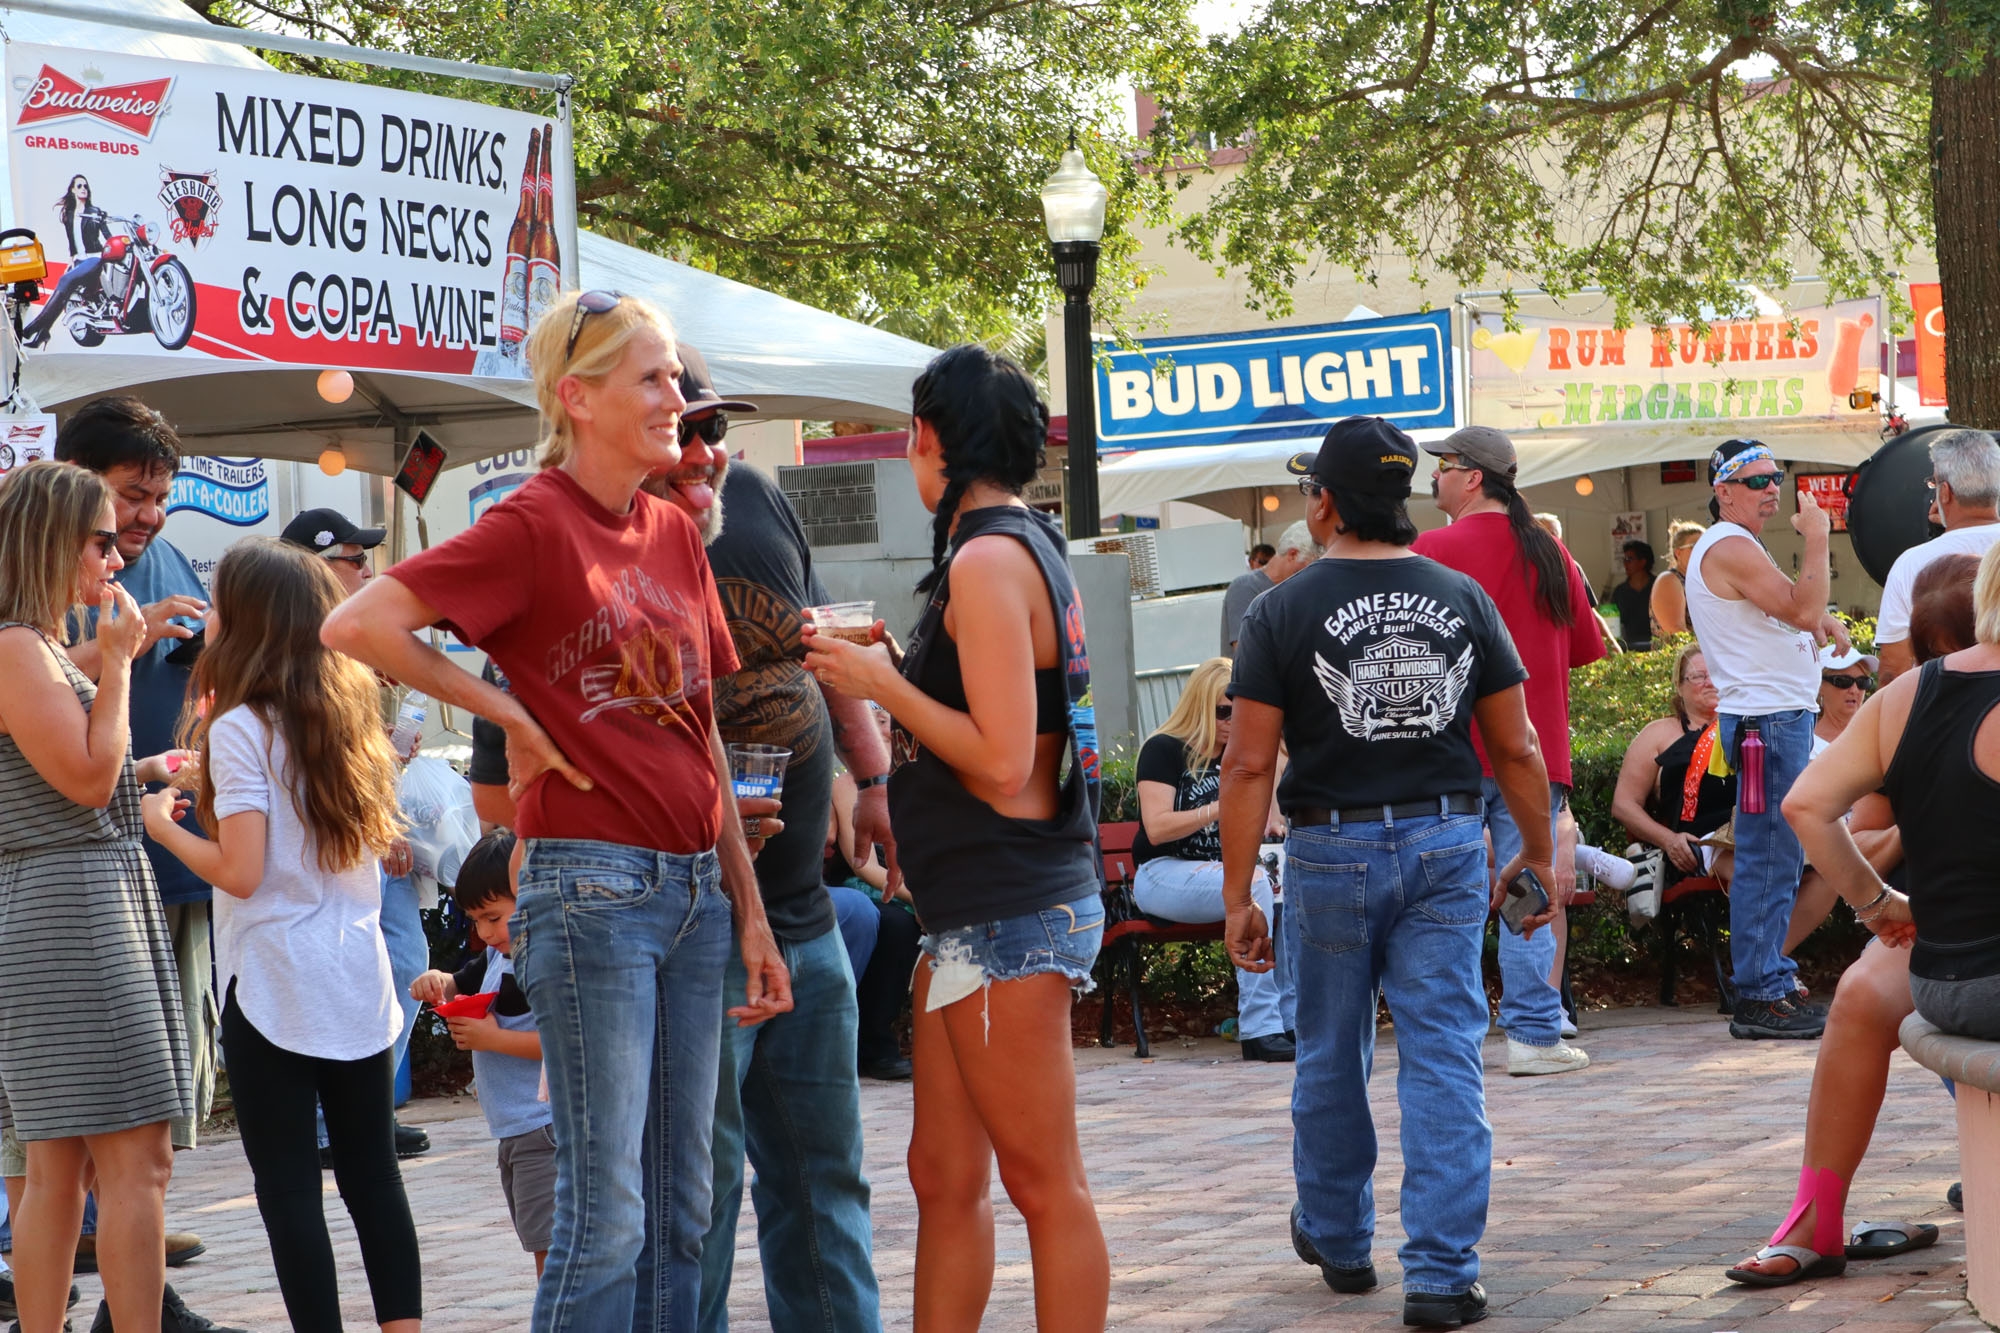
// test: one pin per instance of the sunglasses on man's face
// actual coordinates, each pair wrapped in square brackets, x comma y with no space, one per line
[711,429]
[588,304]
[1762,482]
[1846,682]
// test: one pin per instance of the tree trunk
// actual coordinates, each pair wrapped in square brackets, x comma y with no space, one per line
[1965,203]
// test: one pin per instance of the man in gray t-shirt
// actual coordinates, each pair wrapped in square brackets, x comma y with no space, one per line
[1296,550]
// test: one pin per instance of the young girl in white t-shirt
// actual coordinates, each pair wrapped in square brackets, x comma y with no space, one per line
[297,789]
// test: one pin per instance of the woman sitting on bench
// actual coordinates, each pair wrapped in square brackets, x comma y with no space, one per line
[1178,848]
[1655,777]
[1874,995]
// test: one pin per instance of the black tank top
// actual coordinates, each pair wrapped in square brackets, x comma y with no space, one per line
[965,861]
[1949,813]
[1715,799]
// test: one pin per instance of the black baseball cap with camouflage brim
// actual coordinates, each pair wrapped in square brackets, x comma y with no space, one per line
[1485,448]
[1363,456]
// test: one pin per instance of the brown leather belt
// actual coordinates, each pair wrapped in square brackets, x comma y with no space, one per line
[1457,803]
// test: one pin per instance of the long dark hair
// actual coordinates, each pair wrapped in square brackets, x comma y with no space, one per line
[1543,553]
[265,653]
[990,423]
[67,204]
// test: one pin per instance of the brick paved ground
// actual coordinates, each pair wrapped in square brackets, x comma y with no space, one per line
[1619,1195]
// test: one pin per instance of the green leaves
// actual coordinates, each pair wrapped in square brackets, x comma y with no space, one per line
[1666,151]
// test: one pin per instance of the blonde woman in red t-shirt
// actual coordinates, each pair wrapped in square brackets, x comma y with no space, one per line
[596,602]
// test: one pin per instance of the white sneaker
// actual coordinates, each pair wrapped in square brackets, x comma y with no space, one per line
[1605,868]
[1524,1060]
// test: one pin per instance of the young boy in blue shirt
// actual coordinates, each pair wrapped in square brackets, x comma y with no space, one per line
[506,1049]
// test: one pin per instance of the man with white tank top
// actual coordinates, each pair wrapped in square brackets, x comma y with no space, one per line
[1760,632]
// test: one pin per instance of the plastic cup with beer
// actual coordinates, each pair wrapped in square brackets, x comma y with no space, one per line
[758,770]
[852,621]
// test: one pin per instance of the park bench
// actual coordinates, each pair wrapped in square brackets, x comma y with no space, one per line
[1697,907]
[1974,1067]
[1124,966]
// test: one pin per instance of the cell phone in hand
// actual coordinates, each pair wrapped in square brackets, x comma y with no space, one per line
[188,649]
[1525,898]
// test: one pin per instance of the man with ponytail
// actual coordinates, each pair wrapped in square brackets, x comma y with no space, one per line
[1760,632]
[1546,606]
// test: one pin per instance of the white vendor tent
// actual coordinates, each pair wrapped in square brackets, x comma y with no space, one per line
[792,360]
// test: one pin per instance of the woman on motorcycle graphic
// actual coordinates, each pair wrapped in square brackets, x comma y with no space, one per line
[82,220]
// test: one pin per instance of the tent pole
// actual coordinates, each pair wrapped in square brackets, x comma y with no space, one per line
[565,166]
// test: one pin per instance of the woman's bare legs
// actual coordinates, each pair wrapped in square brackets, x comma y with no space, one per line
[1850,1076]
[133,1167]
[981,1105]
[48,1218]
[1815,901]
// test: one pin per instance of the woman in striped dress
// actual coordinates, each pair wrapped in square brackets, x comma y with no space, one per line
[93,1054]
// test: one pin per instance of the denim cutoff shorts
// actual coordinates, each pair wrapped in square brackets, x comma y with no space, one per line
[1062,939]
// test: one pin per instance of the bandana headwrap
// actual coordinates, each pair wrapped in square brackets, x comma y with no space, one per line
[1725,468]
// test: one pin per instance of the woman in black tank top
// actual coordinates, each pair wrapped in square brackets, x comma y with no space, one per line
[994,801]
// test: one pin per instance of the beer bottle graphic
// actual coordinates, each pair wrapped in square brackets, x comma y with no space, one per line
[544,254]
[514,278]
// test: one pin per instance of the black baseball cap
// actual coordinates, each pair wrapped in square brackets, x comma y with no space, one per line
[699,389]
[320,530]
[1361,455]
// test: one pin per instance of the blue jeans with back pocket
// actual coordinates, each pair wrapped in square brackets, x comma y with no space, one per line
[1400,909]
[621,952]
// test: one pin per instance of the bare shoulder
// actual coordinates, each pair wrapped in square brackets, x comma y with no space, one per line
[1656,735]
[21,648]
[988,565]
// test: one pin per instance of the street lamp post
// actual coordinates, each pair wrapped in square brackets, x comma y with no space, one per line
[1073,205]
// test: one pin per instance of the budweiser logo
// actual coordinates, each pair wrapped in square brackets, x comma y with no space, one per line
[135,107]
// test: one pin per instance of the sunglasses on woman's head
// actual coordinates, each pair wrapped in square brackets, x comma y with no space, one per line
[1846,682]
[1762,482]
[1223,712]
[711,428]
[588,304]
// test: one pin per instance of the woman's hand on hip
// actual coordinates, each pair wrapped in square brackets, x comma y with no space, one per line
[530,753]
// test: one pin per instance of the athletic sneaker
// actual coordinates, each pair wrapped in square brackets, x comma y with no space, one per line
[1775,1020]
[1524,1060]
[1605,868]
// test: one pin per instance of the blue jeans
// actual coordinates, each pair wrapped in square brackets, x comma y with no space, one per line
[1769,860]
[1191,891]
[787,1092]
[1531,1009]
[859,918]
[621,952]
[1398,908]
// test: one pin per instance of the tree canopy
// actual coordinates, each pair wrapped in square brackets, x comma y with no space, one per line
[877,158]
[1666,150]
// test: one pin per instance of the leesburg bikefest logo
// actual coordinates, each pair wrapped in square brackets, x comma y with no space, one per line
[134,107]
[192,201]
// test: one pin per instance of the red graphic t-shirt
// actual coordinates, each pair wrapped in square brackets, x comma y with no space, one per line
[1483,546]
[609,631]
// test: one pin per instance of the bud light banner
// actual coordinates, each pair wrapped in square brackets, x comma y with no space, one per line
[201,211]
[1818,366]
[1276,384]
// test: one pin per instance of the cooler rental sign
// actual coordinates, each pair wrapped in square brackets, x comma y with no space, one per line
[1562,374]
[1276,384]
[235,214]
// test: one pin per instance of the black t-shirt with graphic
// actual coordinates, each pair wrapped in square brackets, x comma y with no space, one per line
[1164,758]
[1376,664]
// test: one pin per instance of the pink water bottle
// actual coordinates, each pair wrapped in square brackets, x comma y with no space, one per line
[1750,782]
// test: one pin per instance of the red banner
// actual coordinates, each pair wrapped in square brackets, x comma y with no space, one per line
[1830,489]
[1929,307]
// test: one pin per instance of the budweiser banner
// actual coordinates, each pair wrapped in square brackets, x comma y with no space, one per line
[1808,368]
[237,214]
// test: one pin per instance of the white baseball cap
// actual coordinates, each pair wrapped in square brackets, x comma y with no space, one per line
[1832,659]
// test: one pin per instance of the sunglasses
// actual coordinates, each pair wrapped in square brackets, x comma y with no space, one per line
[1845,682]
[1456,467]
[110,538]
[588,304]
[1223,712]
[1762,482]
[711,428]
[355,560]
[1308,487]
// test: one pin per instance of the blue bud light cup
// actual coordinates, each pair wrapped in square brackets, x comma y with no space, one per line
[758,770]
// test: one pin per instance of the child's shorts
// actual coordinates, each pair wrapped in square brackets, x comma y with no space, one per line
[528,1178]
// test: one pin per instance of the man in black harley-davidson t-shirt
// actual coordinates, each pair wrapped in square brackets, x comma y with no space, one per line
[1373,664]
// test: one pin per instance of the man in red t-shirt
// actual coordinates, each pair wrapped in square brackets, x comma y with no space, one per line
[1546,606]
[596,602]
